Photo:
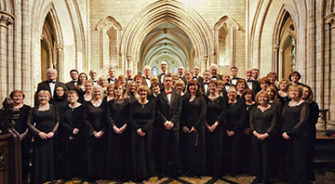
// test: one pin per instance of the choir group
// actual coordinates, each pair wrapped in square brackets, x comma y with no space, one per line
[126,127]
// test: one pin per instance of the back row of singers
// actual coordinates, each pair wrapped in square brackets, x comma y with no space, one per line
[194,133]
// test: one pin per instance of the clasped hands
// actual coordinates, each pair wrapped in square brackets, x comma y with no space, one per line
[168,125]
[46,136]
[186,130]
[119,130]
[260,136]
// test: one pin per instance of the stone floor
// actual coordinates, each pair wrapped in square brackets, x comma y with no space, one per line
[323,176]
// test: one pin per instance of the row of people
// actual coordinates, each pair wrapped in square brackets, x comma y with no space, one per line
[199,134]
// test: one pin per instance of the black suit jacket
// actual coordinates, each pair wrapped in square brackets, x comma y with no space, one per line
[218,77]
[110,80]
[70,85]
[169,111]
[161,85]
[45,86]
[255,86]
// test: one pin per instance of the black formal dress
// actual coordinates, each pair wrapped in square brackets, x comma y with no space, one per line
[250,164]
[46,86]
[168,140]
[74,144]
[96,121]
[262,122]
[20,118]
[312,120]
[43,154]
[216,112]
[142,117]
[192,145]
[119,154]
[296,126]
[233,146]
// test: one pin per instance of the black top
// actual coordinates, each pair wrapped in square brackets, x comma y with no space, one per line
[313,114]
[216,110]
[142,115]
[236,116]
[194,112]
[295,118]
[20,118]
[96,117]
[118,112]
[262,122]
[46,121]
[73,118]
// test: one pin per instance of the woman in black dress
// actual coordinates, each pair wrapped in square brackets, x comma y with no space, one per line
[233,130]
[130,91]
[87,96]
[110,93]
[294,77]
[296,135]
[215,117]
[43,120]
[262,122]
[119,155]
[74,134]
[282,92]
[241,85]
[192,136]
[21,127]
[80,88]
[59,99]
[312,120]
[97,127]
[142,116]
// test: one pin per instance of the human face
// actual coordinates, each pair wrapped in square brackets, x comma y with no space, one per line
[72,98]
[240,86]
[128,72]
[212,88]
[196,71]
[180,71]
[110,91]
[193,88]
[270,93]
[283,85]
[111,72]
[248,97]
[227,78]
[294,94]
[232,93]
[118,91]
[155,89]
[272,79]
[163,67]
[88,87]
[206,76]
[264,86]
[294,77]
[132,87]
[262,99]
[18,98]
[103,83]
[248,74]
[179,88]
[52,75]
[220,88]
[43,99]
[143,94]
[188,76]
[233,72]
[146,72]
[123,82]
[82,78]
[60,91]
[167,82]
[214,71]
[74,75]
[255,74]
[138,81]
[305,93]
[97,93]
[93,74]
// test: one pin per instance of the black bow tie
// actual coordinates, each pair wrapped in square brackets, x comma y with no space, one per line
[111,79]
[206,83]
[147,78]
[213,76]
[235,78]
[249,80]
[54,82]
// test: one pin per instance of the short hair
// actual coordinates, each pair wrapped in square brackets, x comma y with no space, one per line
[215,82]
[232,87]
[147,67]
[102,78]
[194,82]
[89,82]
[242,81]
[111,67]
[246,92]
[188,71]
[51,69]
[167,75]
[274,89]
[213,66]
[16,91]
[281,81]
[74,70]
[44,92]
[72,92]
[233,67]
[264,80]
[298,87]
[110,86]
[220,82]
[294,72]
[271,73]
[164,62]
[97,87]
[196,67]
[181,66]
[152,79]
[121,77]
[143,88]
[262,93]
[154,84]
[179,82]
[255,69]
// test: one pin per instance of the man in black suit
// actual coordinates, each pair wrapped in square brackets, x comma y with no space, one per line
[146,76]
[129,74]
[50,85]
[181,73]
[196,75]
[227,81]
[255,74]
[169,104]
[111,76]
[204,85]
[252,84]
[233,73]
[93,74]
[73,83]
[214,72]
[164,69]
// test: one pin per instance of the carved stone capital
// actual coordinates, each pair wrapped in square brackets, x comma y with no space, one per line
[330,19]
[6,19]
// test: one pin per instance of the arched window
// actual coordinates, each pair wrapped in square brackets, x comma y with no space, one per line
[154,71]
[175,69]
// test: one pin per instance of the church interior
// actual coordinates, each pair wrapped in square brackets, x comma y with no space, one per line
[279,36]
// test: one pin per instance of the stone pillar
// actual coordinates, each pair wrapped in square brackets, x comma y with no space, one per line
[60,62]
[130,62]
[330,19]
[275,65]
[6,19]
[205,63]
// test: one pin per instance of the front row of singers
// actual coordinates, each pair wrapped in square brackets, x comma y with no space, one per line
[168,134]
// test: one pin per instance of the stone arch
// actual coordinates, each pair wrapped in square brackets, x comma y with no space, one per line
[175,13]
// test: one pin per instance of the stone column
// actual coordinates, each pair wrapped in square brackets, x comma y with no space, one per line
[130,62]
[6,19]
[330,19]
[206,65]
[60,62]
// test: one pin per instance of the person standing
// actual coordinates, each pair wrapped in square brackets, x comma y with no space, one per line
[73,83]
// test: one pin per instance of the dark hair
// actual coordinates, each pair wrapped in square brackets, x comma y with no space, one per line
[74,70]
[295,72]
[191,83]
[247,91]
[233,67]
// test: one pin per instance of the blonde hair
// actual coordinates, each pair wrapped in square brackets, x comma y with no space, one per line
[97,87]
[298,87]
[262,93]
[44,92]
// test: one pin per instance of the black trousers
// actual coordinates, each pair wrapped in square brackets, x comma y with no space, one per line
[261,157]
